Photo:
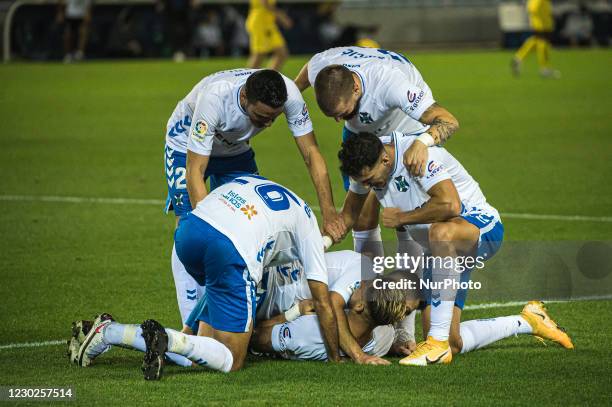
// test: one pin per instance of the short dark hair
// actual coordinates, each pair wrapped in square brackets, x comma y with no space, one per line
[359,151]
[334,82]
[266,86]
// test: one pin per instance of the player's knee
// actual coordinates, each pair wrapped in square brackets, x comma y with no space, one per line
[441,232]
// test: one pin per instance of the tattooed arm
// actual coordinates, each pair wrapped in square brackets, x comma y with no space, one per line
[442,125]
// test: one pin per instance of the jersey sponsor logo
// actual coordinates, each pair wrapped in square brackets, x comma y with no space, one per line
[233,200]
[433,168]
[365,118]
[414,99]
[249,211]
[401,184]
[286,332]
[305,117]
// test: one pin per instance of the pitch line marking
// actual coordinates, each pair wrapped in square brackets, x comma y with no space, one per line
[467,307]
[133,201]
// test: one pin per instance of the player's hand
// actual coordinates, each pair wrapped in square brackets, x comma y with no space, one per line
[415,158]
[372,360]
[307,307]
[391,217]
[334,227]
[402,348]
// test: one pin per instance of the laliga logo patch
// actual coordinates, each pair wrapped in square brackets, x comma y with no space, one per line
[199,130]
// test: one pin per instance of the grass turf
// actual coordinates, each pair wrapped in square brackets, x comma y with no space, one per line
[96,130]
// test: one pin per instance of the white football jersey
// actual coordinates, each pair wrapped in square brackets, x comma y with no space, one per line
[268,224]
[394,92]
[284,285]
[408,193]
[211,121]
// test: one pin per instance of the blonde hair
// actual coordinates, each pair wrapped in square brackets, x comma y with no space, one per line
[386,306]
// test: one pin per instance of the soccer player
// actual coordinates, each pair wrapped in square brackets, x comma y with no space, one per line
[444,210]
[264,36]
[225,243]
[542,23]
[208,137]
[287,327]
[378,91]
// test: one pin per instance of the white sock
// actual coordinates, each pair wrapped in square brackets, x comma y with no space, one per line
[188,291]
[479,333]
[442,302]
[130,335]
[202,350]
[368,242]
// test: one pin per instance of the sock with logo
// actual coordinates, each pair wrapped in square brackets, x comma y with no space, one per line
[442,300]
[479,333]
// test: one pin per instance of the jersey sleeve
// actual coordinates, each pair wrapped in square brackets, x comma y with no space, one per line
[406,90]
[310,248]
[350,279]
[357,187]
[296,111]
[435,170]
[206,117]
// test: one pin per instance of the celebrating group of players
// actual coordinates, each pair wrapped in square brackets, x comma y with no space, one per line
[248,258]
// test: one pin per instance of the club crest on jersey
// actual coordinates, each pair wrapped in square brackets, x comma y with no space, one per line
[199,130]
[365,118]
[401,184]
[249,211]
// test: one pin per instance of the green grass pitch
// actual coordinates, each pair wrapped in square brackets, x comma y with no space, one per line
[97,130]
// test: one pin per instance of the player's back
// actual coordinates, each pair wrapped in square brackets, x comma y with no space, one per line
[267,223]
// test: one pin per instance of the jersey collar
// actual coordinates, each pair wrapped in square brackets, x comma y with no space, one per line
[237,99]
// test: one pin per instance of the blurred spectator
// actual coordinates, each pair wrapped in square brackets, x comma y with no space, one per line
[123,41]
[208,39]
[265,37]
[332,34]
[542,23]
[75,15]
[235,32]
[177,23]
[578,27]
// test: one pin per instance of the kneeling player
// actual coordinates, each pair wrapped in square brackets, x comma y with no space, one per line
[447,213]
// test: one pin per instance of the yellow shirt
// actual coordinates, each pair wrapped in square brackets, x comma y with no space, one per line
[259,16]
[540,15]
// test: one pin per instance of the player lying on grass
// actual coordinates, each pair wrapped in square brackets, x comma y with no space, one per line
[225,243]
[289,328]
[283,286]
[446,212]
[208,136]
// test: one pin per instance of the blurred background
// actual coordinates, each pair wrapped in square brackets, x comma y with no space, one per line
[179,29]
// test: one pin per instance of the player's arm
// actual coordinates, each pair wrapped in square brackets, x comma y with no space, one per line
[353,203]
[332,222]
[304,307]
[443,205]
[348,343]
[327,320]
[442,125]
[301,80]
[281,16]
[196,166]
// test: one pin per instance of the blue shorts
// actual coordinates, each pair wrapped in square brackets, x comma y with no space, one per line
[491,238]
[220,170]
[212,260]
